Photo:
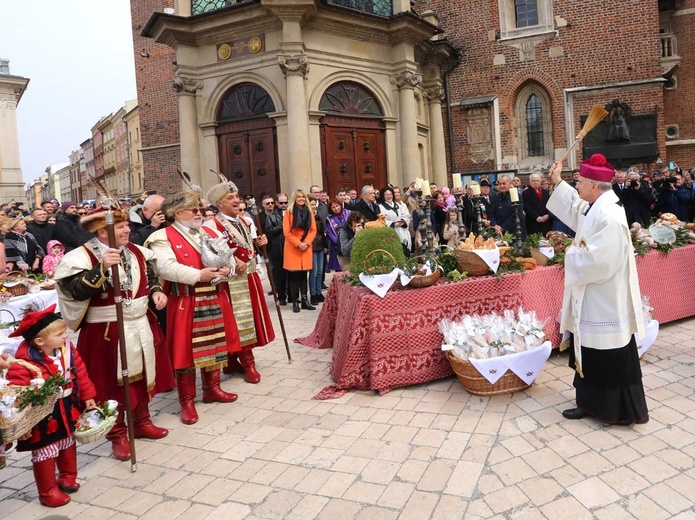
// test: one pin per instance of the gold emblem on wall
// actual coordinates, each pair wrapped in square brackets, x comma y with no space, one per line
[239,48]
[224,51]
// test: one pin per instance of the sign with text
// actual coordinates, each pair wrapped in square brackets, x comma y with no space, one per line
[239,48]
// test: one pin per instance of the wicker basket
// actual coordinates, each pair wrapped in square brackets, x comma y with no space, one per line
[396,282]
[22,423]
[539,257]
[98,432]
[19,287]
[420,281]
[475,383]
[471,263]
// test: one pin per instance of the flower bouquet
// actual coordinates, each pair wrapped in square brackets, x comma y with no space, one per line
[96,423]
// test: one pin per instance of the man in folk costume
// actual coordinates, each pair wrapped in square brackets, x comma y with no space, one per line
[246,289]
[602,309]
[86,294]
[201,329]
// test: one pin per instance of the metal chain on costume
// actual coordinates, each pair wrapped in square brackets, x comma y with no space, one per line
[127,281]
[239,226]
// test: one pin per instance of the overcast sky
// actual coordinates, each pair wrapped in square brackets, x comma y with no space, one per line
[78,55]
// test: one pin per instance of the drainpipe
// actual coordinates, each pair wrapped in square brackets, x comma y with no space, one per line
[447,73]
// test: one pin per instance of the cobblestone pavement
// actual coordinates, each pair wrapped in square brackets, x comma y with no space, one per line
[428,451]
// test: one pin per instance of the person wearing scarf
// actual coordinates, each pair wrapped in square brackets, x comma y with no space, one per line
[336,218]
[299,228]
[21,248]
[397,216]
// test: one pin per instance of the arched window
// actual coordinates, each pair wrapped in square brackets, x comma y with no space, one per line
[245,101]
[348,98]
[534,126]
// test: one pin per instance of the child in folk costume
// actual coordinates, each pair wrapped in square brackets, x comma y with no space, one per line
[51,443]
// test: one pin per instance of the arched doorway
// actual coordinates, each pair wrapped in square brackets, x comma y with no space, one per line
[353,138]
[247,140]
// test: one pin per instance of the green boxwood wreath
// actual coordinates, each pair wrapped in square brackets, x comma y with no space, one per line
[370,239]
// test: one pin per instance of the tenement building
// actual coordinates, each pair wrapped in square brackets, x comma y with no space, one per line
[281,94]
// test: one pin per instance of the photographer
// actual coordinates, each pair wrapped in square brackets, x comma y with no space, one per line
[637,200]
[146,219]
[672,197]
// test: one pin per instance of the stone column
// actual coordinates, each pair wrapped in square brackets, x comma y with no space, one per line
[435,95]
[296,68]
[188,127]
[407,112]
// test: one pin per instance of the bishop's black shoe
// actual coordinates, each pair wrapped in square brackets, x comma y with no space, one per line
[573,413]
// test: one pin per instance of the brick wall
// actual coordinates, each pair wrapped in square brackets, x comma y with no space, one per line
[679,104]
[599,44]
[159,107]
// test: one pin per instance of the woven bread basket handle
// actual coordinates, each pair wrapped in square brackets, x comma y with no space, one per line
[10,277]
[14,318]
[26,365]
[393,259]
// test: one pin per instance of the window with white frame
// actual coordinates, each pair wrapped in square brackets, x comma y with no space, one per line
[534,125]
[520,18]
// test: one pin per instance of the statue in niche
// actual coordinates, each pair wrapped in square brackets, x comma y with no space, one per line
[618,114]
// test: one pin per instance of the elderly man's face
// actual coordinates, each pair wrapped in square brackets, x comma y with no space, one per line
[485,190]
[534,182]
[369,194]
[229,204]
[504,185]
[620,177]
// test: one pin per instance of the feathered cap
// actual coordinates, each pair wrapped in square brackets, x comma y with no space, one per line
[218,191]
[181,200]
[597,169]
[96,219]
[34,322]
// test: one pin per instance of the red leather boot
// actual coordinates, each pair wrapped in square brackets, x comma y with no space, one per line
[185,384]
[233,365]
[45,476]
[144,426]
[212,393]
[119,437]
[249,364]
[67,469]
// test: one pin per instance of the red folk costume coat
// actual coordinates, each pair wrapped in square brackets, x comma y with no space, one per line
[98,342]
[79,388]
[245,252]
[201,329]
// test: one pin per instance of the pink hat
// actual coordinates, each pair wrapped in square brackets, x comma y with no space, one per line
[445,191]
[597,169]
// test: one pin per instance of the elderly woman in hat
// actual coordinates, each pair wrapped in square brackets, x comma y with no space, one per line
[21,248]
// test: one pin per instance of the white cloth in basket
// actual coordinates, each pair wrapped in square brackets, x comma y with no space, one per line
[527,365]
[380,284]
[490,256]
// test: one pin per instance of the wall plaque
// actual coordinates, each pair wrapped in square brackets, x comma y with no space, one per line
[237,49]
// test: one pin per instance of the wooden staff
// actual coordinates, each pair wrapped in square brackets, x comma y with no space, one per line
[118,300]
[254,211]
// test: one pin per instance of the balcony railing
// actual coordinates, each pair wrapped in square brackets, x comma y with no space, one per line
[377,7]
[203,6]
[668,45]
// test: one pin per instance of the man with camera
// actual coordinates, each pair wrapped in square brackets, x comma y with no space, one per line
[637,199]
[145,219]
[672,196]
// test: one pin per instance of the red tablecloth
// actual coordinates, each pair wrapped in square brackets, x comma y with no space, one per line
[380,344]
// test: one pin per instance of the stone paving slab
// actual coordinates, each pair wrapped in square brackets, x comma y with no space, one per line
[427,451]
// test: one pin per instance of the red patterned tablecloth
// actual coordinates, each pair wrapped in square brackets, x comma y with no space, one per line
[381,344]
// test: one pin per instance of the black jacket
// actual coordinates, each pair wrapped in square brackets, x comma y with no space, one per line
[68,232]
[502,214]
[276,238]
[637,203]
[534,208]
[140,227]
[43,233]
[368,213]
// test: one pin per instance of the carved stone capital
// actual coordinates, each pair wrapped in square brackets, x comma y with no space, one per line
[8,103]
[434,94]
[186,85]
[294,65]
[406,79]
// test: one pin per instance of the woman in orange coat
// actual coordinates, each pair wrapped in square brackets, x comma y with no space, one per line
[299,228]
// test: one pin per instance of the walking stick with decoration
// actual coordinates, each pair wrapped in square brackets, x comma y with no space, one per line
[254,210]
[108,205]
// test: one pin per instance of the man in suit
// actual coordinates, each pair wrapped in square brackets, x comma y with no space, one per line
[367,204]
[535,199]
[619,186]
[503,213]
[276,245]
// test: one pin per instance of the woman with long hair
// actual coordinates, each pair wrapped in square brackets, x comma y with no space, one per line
[299,228]
[397,216]
[337,216]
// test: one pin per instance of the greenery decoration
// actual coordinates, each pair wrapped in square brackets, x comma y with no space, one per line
[370,239]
